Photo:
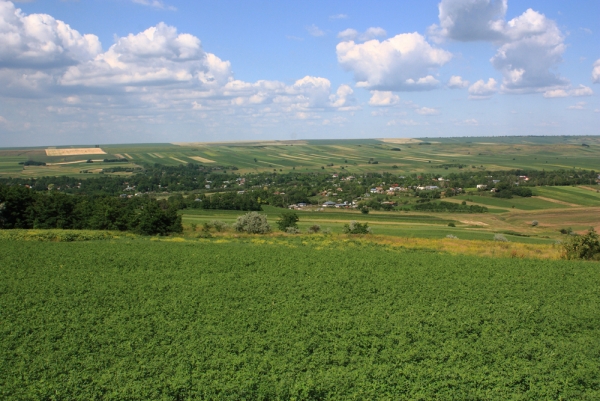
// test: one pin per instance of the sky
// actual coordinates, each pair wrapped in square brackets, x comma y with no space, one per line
[139,71]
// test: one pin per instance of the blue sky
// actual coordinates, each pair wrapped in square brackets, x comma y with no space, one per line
[128,71]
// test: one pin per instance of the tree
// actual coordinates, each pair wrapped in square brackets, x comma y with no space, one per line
[287,219]
[583,246]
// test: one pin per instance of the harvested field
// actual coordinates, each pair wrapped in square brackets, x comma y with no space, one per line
[201,159]
[179,160]
[74,152]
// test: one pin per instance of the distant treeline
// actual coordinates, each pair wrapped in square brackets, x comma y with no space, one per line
[449,207]
[22,207]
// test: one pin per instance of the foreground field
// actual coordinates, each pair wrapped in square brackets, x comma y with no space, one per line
[262,319]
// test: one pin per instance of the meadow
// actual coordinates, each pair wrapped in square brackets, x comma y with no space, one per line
[294,318]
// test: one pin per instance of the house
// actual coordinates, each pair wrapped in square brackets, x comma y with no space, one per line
[428,188]
[481,186]
[329,204]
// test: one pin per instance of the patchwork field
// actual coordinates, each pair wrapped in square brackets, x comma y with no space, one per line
[402,155]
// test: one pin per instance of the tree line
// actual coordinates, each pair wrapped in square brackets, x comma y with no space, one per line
[21,207]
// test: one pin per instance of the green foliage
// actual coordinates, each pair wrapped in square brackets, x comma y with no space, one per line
[145,320]
[354,227]
[252,223]
[451,224]
[500,238]
[583,246]
[449,207]
[287,219]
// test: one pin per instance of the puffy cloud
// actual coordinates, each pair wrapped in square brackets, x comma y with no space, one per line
[529,46]
[596,72]
[456,82]
[39,41]
[483,90]
[582,90]
[470,20]
[353,34]
[535,45]
[383,98]
[398,63]
[427,111]
[555,93]
[155,4]
[159,55]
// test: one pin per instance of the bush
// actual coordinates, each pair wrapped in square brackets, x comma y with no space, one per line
[451,225]
[287,219]
[364,210]
[218,225]
[314,229]
[252,223]
[292,230]
[583,246]
[566,230]
[534,223]
[500,238]
[357,228]
[451,236]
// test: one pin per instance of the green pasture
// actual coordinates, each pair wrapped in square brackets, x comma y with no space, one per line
[397,224]
[298,319]
[519,203]
[575,195]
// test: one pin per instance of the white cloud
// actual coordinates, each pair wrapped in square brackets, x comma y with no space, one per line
[39,41]
[338,16]
[406,123]
[159,55]
[314,30]
[470,121]
[483,90]
[383,98]
[456,82]
[596,72]
[555,93]
[369,34]
[578,106]
[427,111]
[582,90]
[3,120]
[470,20]
[155,4]
[529,46]
[398,63]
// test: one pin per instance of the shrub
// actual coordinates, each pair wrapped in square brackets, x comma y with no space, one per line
[288,219]
[357,228]
[534,223]
[364,210]
[292,230]
[451,236]
[583,246]
[566,230]
[500,238]
[326,231]
[252,223]
[218,225]
[451,224]
[314,229]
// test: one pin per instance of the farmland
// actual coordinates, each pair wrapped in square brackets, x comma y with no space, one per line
[442,155]
[261,319]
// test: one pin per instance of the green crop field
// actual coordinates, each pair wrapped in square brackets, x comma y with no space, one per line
[297,319]
[441,155]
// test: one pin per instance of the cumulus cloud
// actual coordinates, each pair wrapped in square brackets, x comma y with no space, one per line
[581,90]
[383,98]
[457,82]
[401,63]
[39,41]
[596,72]
[159,55]
[483,90]
[427,111]
[528,46]
[369,34]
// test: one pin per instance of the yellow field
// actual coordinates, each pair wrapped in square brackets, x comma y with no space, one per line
[74,152]
[201,159]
